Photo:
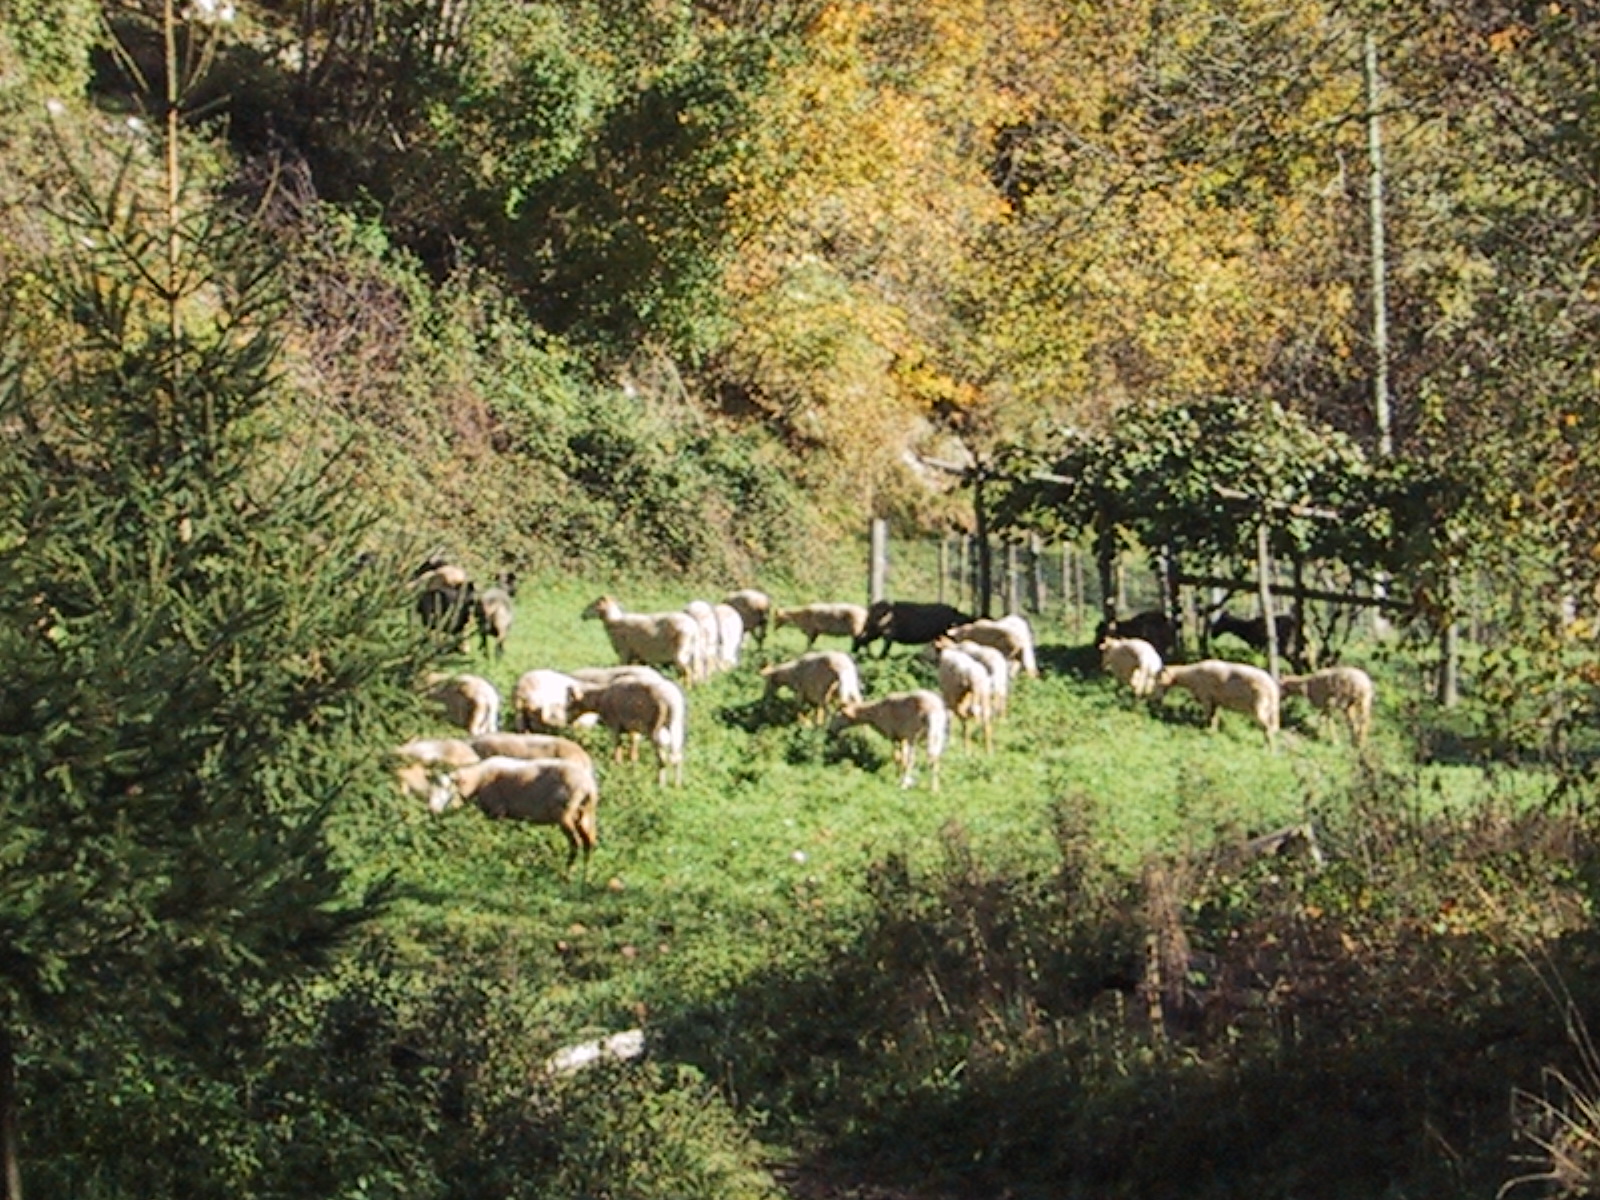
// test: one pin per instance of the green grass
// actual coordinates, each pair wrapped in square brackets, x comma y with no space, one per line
[766,848]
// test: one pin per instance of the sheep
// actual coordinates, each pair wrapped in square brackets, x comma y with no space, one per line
[545,791]
[1218,685]
[446,607]
[1010,634]
[755,611]
[1344,690]
[904,718]
[421,756]
[818,679]
[653,708]
[1152,625]
[1253,630]
[494,614]
[529,745]
[999,667]
[469,701]
[650,639]
[708,637]
[541,699]
[730,635]
[965,685]
[909,622]
[815,620]
[1134,661]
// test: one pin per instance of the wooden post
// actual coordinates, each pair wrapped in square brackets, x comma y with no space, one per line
[1012,594]
[1449,691]
[1264,586]
[1078,597]
[980,512]
[878,566]
[964,573]
[1172,595]
[944,564]
[1037,588]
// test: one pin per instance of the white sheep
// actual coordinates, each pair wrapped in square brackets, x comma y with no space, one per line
[968,693]
[999,673]
[905,718]
[1344,690]
[1134,661]
[1218,685]
[545,791]
[542,698]
[1010,634]
[755,610]
[421,759]
[730,635]
[529,745]
[818,679]
[641,707]
[469,701]
[494,613]
[708,639]
[668,639]
[815,620]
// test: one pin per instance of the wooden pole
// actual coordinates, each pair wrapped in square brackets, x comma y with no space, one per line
[1380,303]
[944,564]
[1264,592]
[878,564]
[1037,588]
[980,512]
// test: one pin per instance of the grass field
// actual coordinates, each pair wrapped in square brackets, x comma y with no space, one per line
[773,920]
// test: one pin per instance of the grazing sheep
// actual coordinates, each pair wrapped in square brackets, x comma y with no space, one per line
[730,635]
[640,707]
[1344,690]
[708,637]
[815,620]
[1218,685]
[904,718]
[908,622]
[1010,634]
[1132,660]
[421,757]
[1152,625]
[999,667]
[541,700]
[469,701]
[494,614]
[968,693]
[668,639]
[446,607]
[1253,630]
[545,791]
[818,679]
[530,745]
[755,611]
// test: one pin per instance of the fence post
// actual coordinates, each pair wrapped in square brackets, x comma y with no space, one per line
[1264,586]
[1037,589]
[944,564]
[878,565]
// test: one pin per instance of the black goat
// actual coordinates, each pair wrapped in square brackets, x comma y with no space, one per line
[1152,625]
[908,622]
[449,608]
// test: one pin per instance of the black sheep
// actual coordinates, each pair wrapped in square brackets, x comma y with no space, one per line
[909,622]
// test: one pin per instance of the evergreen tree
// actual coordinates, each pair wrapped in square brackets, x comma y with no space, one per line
[197,676]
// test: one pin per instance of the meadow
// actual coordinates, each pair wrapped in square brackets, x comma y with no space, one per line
[808,935]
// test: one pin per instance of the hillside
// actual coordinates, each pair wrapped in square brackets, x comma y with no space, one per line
[658,300]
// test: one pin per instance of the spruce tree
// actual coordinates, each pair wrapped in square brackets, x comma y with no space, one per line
[198,673]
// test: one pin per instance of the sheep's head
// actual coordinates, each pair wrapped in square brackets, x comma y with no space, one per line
[443,795]
[603,606]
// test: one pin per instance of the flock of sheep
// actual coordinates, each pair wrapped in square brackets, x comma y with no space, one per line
[539,774]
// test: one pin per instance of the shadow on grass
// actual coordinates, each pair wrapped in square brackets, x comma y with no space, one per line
[983,1035]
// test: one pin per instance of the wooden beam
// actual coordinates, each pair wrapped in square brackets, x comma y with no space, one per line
[1304,593]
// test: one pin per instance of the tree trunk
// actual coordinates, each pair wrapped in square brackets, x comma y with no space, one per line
[10,1123]
[1264,584]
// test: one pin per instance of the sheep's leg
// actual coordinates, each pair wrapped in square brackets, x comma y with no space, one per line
[908,777]
[1213,717]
